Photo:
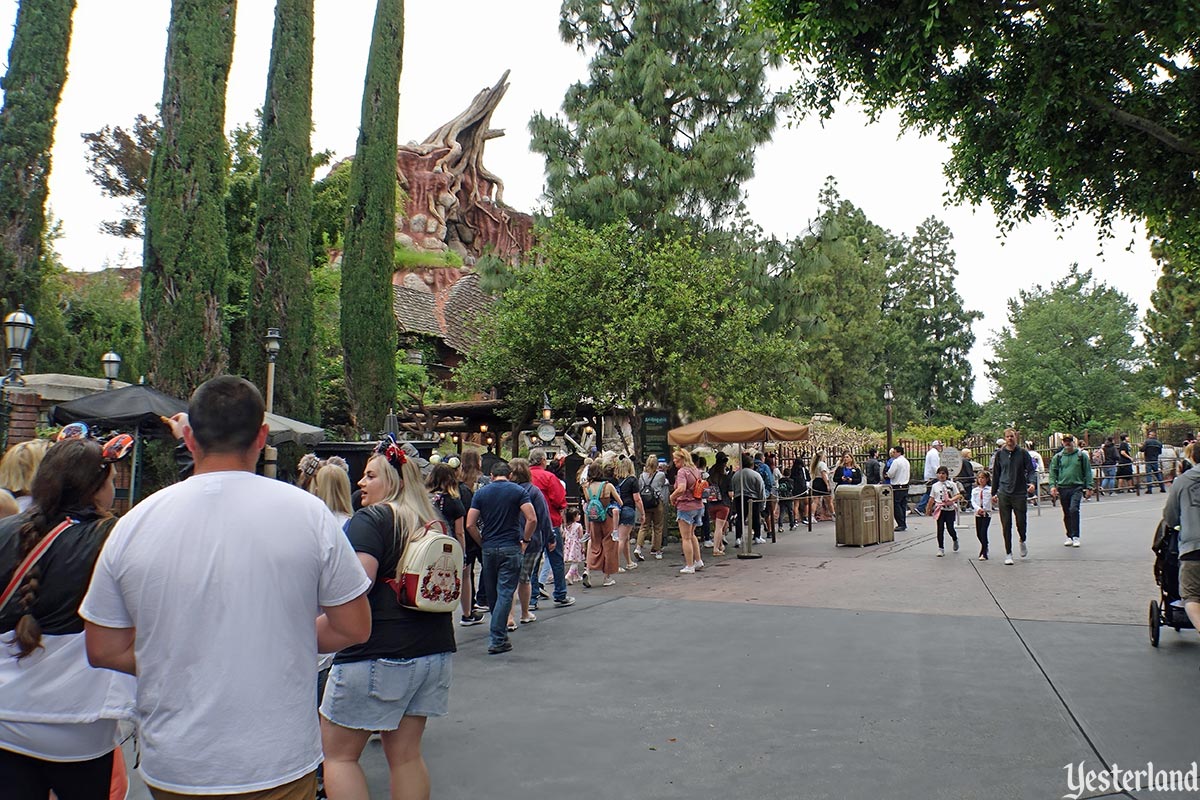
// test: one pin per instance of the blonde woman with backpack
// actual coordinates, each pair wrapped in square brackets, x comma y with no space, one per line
[408,657]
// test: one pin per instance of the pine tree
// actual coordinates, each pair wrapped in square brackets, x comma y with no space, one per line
[37,69]
[1172,333]
[368,324]
[185,262]
[282,278]
[665,127]
[931,329]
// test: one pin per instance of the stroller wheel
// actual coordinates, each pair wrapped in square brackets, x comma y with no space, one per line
[1155,623]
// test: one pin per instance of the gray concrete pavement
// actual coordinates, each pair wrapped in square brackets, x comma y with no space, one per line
[827,672]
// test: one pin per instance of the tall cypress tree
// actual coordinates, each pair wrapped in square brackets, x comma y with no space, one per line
[368,324]
[1171,330]
[186,258]
[37,69]
[281,295]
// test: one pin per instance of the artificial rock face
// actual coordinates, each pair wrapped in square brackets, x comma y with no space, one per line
[454,202]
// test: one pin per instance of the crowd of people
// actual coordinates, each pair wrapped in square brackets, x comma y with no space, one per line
[204,614]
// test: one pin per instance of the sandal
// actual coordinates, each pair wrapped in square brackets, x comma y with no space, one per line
[512,626]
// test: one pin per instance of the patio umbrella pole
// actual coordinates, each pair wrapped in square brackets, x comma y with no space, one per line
[133,464]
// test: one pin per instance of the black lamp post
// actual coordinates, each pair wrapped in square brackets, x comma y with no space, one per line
[888,397]
[18,332]
[112,366]
[547,412]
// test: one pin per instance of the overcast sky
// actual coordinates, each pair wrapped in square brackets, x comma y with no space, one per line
[454,48]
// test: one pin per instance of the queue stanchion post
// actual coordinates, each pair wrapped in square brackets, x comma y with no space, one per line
[747,533]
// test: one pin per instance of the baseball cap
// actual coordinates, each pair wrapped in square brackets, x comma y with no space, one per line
[936,443]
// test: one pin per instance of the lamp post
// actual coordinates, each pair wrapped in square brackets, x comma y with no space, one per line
[547,412]
[271,344]
[18,331]
[888,397]
[112,366]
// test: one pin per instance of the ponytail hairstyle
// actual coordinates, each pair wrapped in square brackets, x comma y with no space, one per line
[411,507]
[67,479]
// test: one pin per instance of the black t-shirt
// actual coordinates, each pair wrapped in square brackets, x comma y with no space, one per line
[465,495]
[396,632]
[451,509]
[627,488]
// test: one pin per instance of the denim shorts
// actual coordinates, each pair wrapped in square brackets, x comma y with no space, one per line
[628,515]
[529,560]
[693,518]
[375,695]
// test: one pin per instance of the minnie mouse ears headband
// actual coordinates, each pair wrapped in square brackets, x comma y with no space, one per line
[112,449]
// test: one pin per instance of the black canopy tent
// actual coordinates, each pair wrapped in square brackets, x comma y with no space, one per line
[138,409]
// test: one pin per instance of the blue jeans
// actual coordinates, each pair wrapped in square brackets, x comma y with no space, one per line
[1154,477]
[557,568]
[924,501]
[501,571]
[1071,498]
[1110,478]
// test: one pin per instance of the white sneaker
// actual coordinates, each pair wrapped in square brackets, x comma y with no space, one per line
[658,556]
[1008,560]
[631,565]
[1024,551]
[737,542]
[1075,542]
[941,552]
[708,543]
[688,570]
[1067,542]
[698,565]
[759,540]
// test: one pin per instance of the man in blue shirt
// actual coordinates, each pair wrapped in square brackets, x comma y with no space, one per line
[495,521]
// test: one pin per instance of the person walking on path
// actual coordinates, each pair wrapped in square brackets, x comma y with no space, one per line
[398,678]
[503,521]
[1151,450]
[603,552]
[225,667]
[945,498]
[688,509]
[898,473]
[650,486]
[1070,482]
[933,460]
[1111,458]
[981,506]
[1182,511]
[556,500]
[1012,481]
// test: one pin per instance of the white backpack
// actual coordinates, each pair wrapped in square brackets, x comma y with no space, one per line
[429,575]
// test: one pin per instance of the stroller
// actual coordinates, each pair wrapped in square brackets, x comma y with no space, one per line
[1168,610]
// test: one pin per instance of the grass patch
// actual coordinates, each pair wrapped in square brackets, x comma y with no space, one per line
[408,258]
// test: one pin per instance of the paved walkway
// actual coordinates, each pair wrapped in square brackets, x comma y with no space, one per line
[827,672]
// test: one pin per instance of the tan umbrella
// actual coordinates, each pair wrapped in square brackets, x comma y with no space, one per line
[736,427]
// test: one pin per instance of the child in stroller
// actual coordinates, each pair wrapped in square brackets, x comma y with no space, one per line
[1168,610]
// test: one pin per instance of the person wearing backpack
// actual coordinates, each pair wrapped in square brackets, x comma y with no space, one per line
[599,498]
[1071,482]
[650,486]
[689,508]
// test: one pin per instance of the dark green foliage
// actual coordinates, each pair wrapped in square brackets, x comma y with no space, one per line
[119,163]
[37,68]
[1052,108]
[282,259]
[329,211]
[241,205]
[929,332]
[1066,360]
[1172,335]
[329,375]
[186,260]
[368,324]
[572,327]
[663,132]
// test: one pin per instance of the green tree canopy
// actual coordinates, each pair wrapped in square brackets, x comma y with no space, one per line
[1173,333]
[665,126]
[573,326]
[931,332]
[37,69]
[368,325]
[1049,107]
[1066,360]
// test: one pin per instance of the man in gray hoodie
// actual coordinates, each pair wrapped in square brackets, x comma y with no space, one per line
[1183,511]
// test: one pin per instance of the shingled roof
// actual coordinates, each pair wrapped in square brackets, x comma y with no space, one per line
[464,303]
[441,308]
[414,312]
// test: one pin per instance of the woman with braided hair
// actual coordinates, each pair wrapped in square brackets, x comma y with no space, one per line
[58,716]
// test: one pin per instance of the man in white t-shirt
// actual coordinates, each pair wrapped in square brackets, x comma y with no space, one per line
[211,592]
[933,460]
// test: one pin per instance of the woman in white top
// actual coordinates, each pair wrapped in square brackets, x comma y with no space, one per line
[981,506]
[58,716]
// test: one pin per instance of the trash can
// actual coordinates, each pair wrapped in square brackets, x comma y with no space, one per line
[857,515]
[885,514]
